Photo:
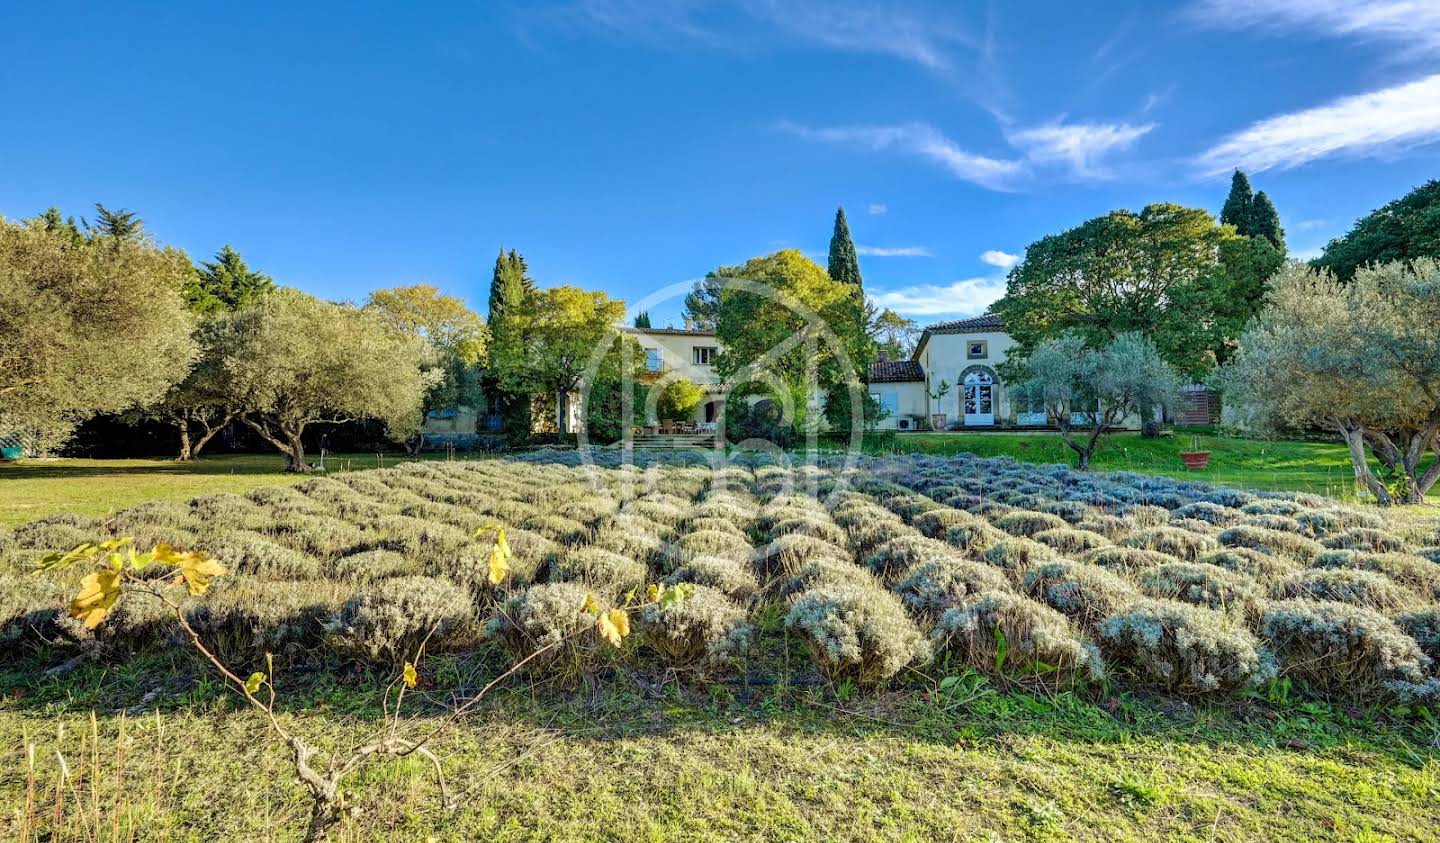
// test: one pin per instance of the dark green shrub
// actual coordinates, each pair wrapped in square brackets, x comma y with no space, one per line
[1367,539]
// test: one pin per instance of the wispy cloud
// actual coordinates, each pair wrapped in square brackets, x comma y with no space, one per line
[1378,122]
[894,251]
[909,34]
[906,34]
[1079,146]
[959,298]
[1413,23]
[995,257]
[877,208]
[922,140]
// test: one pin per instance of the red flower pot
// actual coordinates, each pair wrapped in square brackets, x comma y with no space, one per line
[1195,460]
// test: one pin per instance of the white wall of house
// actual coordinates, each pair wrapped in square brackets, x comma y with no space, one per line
[675,354]
[902,400]
[953,357]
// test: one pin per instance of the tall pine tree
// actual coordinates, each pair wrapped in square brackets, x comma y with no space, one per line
[1265,222]
[1239,204]
[844,265]
[226,284]
[642,319]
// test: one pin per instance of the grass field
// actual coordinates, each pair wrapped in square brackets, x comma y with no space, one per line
[33,489]
[1302,466]
[765,763]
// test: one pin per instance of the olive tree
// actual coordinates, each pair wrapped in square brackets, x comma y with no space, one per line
[204,403]
[1361,358]
[1086,391]
[88,325]
[293,360]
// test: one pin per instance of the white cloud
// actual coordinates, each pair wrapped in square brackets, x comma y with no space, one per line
[877,208]
[995,257]
[907,34]
[894,251]
[959,298]
[922,140]
[1080,146]
[1392,118]
[1414,23]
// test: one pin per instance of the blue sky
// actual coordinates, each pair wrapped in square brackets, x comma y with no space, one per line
[627,145]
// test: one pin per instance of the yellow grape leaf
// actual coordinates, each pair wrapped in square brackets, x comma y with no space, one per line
[614,625]
[254,682]
[608,630]
[499,566]
[196,568]
[652,592]
[590,607]
[621,619]
[409,676]
[98,592]
[502,544]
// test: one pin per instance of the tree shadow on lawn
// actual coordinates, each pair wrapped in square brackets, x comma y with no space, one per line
[629,703]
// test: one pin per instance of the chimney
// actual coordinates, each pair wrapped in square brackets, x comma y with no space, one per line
[689,324]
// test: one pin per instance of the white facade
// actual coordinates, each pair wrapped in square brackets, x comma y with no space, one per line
[966,362]
[674,354]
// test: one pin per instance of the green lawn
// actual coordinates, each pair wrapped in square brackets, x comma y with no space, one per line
[1319,467]
[641,759]
[33,489]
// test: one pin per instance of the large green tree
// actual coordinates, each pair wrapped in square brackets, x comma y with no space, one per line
[1404,229]
[702,303]
[1169,271]
[87,326]
[790,331]
[455,339]
[569,330]
[1360,357]
[227,283]
[118,224]
[293,360]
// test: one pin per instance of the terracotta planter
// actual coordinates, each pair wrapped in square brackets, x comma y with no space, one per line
[937,421]
[1195,460]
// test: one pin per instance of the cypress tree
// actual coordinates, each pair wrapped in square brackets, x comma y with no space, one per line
[226,283]
[504,379]
[1239,204]
[642,319]
[844,265]
[1265,222]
